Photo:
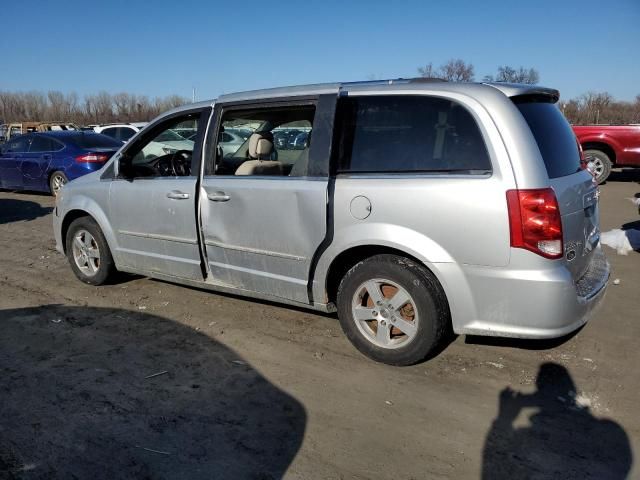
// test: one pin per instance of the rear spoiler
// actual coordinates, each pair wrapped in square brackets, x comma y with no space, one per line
[526,93]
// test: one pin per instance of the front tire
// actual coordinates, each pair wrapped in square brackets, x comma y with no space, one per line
[88,252]
[393,310]
[601,164]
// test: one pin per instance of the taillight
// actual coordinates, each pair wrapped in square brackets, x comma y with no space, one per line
[534,220]
[92,158]
[583,162]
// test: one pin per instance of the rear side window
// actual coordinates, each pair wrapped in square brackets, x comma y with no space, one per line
[394,134]
[554,136]
[94,140]
[43,144]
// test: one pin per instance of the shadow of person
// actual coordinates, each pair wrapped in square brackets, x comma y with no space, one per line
[564,440]
[12,210]
[107,393]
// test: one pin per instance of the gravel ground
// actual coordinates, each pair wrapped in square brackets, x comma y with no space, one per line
[145,379]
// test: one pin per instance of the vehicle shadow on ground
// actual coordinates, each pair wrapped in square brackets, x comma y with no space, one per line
[625,175]
[12,210]
[562,439]
[107,393]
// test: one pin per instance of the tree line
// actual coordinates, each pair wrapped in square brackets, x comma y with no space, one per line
[102,107]
[589,108]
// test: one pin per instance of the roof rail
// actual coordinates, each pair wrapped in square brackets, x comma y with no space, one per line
[391,81]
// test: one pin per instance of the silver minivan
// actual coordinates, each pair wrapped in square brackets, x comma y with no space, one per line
[414,208]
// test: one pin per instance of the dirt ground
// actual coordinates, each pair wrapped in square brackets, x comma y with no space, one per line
[145,379]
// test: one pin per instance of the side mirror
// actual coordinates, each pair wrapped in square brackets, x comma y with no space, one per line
[125,166]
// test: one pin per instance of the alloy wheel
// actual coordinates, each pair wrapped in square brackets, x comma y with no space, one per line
[385,313]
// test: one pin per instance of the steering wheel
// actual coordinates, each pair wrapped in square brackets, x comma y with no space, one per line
[181,163]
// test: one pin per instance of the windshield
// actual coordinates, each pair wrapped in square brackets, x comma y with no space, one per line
[554,136]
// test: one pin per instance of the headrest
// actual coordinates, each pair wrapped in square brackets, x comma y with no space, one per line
[260,145]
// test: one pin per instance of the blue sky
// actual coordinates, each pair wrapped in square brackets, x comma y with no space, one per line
[163,47]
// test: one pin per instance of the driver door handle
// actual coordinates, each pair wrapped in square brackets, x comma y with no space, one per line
[177,195]
[218,197]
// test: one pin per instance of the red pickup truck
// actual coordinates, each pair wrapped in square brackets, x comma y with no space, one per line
[608,146]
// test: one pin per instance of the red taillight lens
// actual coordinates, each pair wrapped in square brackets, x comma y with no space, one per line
[534,220]
[92,158]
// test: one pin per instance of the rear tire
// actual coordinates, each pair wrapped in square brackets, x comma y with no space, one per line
[601,164]
[56,181]
[393,310]
[88,252]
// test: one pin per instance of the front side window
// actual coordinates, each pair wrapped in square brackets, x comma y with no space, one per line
[164,153]
[264,142]
[395,134]
[18,145]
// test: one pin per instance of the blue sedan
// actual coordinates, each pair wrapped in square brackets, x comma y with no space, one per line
[46,161]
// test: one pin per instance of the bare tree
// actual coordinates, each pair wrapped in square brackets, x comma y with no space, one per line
[455,70]
[600,108]
[428,71]
[511,75]
[56,105]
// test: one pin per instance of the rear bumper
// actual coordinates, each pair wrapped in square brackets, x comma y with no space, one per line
[533,303]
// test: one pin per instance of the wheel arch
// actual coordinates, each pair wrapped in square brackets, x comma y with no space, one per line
[86,207]
[346,259]
[604,147]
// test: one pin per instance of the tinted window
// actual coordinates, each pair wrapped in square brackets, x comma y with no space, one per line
[555,138]
[20,144]
[408,134]
[126,133]
[110,132]
[93,140]
[42,144]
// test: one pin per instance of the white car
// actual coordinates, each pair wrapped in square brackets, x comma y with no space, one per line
[120,131]
[165,143]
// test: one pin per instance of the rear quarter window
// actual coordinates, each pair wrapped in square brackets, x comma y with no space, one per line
[403,133]
[554,136]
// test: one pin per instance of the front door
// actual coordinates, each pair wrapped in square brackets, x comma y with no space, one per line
[152,202]
[263,205]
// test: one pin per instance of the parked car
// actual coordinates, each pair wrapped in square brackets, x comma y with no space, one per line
[47,161]
[230,141]
[12,130]
[608,146]
[168,142]
[119,131]
[417,209]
